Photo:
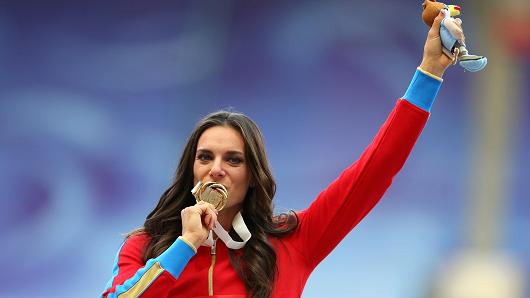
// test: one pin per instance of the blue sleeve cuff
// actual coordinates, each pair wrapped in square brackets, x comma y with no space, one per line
[176,257]
[423,90]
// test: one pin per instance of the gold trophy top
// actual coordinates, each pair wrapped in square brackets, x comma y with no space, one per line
[211,192]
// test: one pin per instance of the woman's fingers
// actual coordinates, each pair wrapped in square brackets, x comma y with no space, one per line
[435,28]
[197,220]
[211,216]
[207,212]
[209,221]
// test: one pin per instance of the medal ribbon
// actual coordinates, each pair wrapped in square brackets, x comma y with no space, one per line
[239,226]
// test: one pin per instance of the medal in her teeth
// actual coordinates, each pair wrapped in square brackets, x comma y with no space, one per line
[211,192]
[217,195]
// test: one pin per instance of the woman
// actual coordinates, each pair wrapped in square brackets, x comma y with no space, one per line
[175,254]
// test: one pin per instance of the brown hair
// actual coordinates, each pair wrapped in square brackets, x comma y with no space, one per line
[256,264]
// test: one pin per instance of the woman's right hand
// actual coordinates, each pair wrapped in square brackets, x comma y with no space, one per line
[197,221]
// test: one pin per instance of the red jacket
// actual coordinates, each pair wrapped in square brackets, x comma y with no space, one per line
[321,227]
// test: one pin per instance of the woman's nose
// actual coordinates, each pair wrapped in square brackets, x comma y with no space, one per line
[217,171]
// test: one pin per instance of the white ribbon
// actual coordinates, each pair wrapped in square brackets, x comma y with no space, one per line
[239,226]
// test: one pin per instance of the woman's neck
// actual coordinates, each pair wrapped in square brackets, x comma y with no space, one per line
[226,216]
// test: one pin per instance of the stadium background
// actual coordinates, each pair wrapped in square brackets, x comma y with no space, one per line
[97,98]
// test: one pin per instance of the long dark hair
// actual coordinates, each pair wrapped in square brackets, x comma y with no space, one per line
[256,264]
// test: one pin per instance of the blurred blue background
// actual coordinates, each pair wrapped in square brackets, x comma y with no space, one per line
[98,98]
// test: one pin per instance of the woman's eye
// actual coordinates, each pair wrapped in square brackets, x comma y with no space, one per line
[234,160]
[203,157]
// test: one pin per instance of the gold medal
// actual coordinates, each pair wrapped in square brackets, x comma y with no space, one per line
[211,192]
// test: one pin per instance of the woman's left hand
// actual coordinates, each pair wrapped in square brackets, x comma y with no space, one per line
[434,60]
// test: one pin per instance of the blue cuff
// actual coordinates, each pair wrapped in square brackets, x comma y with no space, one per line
[176,257]
[422,90]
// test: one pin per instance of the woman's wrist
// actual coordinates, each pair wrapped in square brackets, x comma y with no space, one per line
[432,68]
[195,242]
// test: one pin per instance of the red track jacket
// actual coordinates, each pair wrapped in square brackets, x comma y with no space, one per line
[180,272]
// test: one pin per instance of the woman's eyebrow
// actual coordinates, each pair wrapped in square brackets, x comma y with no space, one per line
[229,152]
[204,151]
[234,152]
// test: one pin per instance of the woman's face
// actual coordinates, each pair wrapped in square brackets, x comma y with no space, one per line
[220,157]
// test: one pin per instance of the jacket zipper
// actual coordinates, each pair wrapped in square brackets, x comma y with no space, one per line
[210,271]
